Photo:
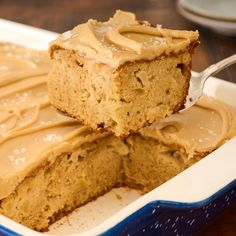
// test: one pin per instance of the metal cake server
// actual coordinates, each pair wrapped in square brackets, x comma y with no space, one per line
[197,82]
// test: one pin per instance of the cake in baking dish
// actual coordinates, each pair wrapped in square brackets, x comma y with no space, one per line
[122,74]
[50,164]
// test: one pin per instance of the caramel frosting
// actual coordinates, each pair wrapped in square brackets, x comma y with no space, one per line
[198,130]
[123,39]
[33,133]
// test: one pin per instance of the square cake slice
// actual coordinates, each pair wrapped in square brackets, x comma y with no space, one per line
[122,74]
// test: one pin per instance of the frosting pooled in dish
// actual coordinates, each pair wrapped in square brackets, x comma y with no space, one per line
[123,39]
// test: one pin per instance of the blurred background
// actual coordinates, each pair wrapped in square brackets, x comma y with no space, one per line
[62,15]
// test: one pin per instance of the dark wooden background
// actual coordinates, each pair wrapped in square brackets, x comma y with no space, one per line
[60,16]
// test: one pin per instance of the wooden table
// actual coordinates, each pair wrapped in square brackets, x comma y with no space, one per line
[59,16]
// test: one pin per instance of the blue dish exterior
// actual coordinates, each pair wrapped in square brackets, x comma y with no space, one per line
[174,218]
[167,218]
[4,231]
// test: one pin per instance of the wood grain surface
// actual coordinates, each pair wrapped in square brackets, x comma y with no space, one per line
[60,16]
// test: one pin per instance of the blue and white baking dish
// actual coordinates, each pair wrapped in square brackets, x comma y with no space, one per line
[178,207]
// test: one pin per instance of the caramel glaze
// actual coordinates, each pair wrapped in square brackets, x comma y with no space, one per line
[123,39]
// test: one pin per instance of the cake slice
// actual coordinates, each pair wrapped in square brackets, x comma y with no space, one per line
[51,164]
[122,74]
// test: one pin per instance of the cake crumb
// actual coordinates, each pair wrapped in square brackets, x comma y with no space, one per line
[118,196]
